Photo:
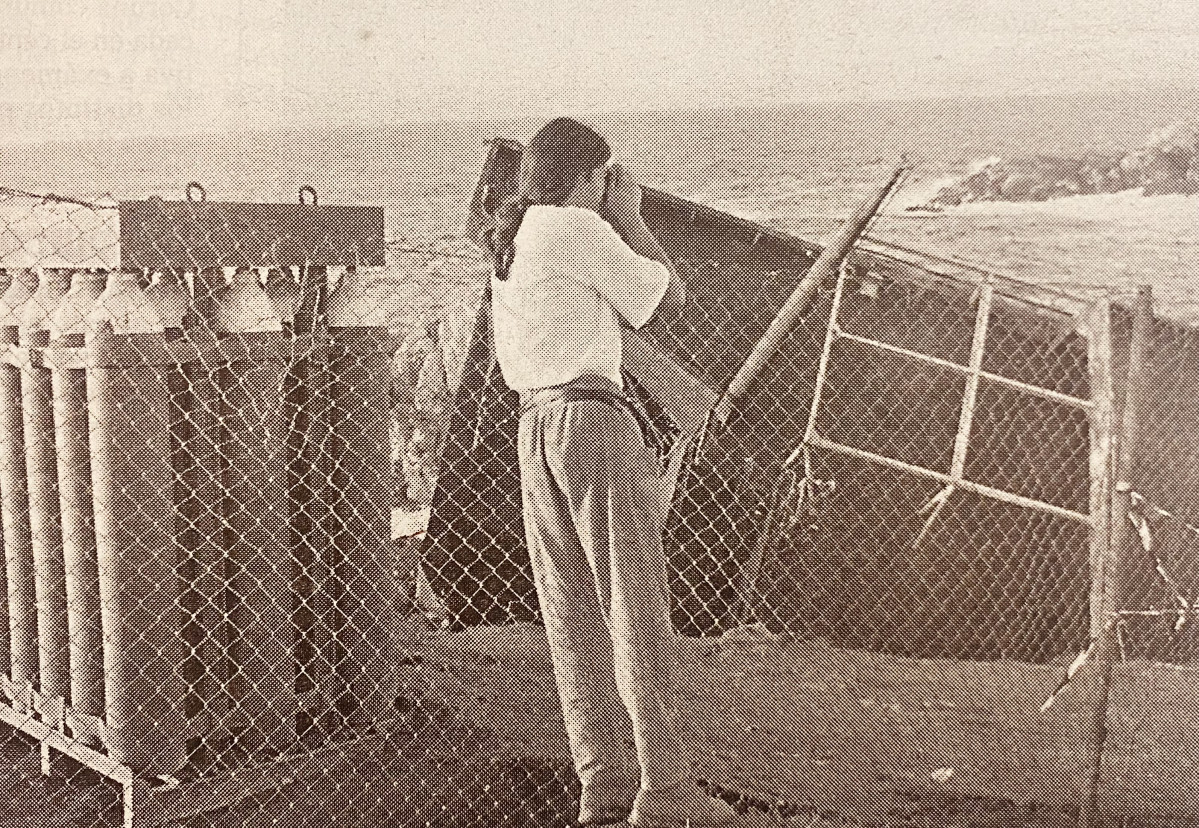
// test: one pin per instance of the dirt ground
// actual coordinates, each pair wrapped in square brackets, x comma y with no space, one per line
[794,733]
[868,738]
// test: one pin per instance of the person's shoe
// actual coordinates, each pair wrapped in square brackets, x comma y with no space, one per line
[608,803]
[682,806]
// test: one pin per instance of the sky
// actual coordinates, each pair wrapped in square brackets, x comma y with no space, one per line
[71,68]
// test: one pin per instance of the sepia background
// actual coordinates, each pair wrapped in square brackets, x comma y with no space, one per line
[854,652]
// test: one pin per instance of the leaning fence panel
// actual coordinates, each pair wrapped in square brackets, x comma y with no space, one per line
[926,476]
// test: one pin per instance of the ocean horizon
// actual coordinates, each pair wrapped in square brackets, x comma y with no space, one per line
[798,168]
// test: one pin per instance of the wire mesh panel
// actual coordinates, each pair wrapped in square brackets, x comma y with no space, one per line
[198,491]
[922,472]
[1159,574]
[889,416]
[941,430]
[265,559]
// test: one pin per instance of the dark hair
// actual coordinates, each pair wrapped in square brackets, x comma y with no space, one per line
[551,165]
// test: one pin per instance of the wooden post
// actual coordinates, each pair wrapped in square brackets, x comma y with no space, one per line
[1121,537]
[800,300]
[1099,359]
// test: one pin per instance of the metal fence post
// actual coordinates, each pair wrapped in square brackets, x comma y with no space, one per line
[1103,598]
[1109,569]
[5,633]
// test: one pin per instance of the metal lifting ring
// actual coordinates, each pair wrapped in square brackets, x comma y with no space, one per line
[193,186]
[307,188]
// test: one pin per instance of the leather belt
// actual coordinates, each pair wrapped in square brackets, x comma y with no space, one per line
[570,394]
[659,434]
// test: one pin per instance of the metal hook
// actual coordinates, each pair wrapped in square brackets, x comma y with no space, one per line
[195,185]
[307,188]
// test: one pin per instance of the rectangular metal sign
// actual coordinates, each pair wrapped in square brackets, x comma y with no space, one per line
[186,235]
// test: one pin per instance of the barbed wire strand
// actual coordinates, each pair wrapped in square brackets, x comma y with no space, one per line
[16,192]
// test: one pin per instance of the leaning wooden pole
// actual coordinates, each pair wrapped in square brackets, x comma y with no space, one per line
[1121,538]
[800,300]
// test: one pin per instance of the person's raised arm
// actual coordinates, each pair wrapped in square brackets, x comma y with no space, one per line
[622,209]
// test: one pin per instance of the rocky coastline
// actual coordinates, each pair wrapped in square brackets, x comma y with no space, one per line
[1168,163]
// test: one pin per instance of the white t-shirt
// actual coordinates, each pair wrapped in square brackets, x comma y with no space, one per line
[555,316]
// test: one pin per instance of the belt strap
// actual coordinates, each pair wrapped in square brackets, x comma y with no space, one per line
[544,397]
[659,433]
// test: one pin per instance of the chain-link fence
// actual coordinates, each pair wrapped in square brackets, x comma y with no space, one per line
[265,564]
[914,502]
[212,415]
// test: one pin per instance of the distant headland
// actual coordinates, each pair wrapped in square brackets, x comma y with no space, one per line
[1168,163]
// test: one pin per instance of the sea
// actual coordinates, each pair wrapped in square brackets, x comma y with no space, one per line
[799,168]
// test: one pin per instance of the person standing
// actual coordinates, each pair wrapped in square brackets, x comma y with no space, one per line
[574,263]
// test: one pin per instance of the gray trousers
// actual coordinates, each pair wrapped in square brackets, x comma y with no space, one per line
[593,520]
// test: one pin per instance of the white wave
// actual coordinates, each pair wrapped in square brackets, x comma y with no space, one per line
[979,166]
[1099,206]
[916,193]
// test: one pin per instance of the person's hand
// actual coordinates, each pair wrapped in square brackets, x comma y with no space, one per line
[622,204]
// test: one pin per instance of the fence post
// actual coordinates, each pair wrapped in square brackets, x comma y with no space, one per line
[1120,538]
[5,651]
[1099,360]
